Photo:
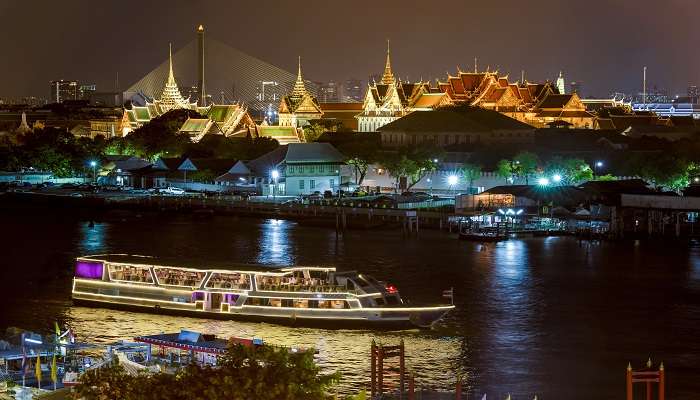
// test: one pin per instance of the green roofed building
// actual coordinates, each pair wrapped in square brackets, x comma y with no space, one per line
[301,168]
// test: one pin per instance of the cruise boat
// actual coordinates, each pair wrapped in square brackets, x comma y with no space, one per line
[290,295]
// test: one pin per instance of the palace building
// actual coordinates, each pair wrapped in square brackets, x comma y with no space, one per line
[223,119]
[536,104]
[300,106]
[391,99]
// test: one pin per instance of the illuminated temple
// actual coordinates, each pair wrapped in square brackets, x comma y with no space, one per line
[223,119]
[391,99]
[300,106]
[537,104]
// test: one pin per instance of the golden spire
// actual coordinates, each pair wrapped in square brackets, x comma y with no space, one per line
[201,28]
[388,77]
[629,366]
[661,367]
[649,363]
[299,88]
[171,75]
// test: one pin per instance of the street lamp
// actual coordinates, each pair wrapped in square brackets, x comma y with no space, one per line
[275,175]
[543,181]
[598,164]
[452,180]
[93,164]
[430,181]
[556,178]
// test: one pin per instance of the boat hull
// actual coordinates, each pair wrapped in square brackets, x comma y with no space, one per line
[360,319]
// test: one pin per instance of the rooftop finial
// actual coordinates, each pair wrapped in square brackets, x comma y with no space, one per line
[388,76]
[299,89]
[649,363]
[171,75]
[629,366]
[200,28]
[661,366]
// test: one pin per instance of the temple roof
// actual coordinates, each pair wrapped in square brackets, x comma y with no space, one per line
[171,98]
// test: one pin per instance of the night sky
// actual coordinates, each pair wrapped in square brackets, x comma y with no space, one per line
[603,43]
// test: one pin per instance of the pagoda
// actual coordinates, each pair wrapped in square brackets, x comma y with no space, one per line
[299,107]
[171,99]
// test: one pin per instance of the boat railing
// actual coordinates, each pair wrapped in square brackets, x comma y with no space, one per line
[286,287]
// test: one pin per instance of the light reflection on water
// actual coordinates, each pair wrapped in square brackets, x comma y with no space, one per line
[552,317]
[346,351]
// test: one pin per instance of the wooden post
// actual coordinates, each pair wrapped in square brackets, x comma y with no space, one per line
[373,370]
[411,387]
[402,370]
[662,382]
[648,390]
[458,389]
[629,381]
[380,368]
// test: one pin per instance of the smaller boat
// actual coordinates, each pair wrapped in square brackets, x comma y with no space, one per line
[482,236]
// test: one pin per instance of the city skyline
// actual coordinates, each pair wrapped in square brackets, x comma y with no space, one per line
[115,39]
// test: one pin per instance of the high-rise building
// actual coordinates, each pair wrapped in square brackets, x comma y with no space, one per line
[86,91]
[329,92]
[352,91]
[576,88]
[63,90]
[694,93]
[561,85]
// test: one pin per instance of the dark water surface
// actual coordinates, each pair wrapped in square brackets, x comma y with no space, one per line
[550,317]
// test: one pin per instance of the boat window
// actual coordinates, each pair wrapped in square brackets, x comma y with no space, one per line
[380,301]
[301,303]
[287,303]
[179,277]
[130,273]
[334,304]
[234,280]
[257,301]
[295,281]
[276,302]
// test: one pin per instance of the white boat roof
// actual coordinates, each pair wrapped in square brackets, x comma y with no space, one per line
[197,264]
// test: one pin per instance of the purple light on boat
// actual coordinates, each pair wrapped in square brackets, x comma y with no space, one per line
[230,298]
[89,270]
[197,296]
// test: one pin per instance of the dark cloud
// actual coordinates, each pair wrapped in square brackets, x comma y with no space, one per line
[602,43]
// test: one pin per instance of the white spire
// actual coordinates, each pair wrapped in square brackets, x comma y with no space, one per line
[171,98]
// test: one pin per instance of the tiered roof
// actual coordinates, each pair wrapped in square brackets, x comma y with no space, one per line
[299,100]
[171,99]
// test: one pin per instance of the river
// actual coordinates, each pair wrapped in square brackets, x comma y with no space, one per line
[541,316]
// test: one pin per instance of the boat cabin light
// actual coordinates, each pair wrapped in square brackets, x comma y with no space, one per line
[391,289]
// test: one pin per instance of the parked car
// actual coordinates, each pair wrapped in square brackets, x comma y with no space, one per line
[173,190]
[327,194]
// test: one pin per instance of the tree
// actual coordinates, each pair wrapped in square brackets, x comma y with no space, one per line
[318,127]
[525,164]
[264,373]
[471,172]
[398,166]
[504,169]
[361,154]
[571,170]
[412,162]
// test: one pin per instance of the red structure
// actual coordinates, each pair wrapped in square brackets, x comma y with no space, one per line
[388,364]
[648,376]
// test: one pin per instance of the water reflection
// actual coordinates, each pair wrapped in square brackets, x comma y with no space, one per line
[534,316]
[275,243]
[345,351]
[92,237]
